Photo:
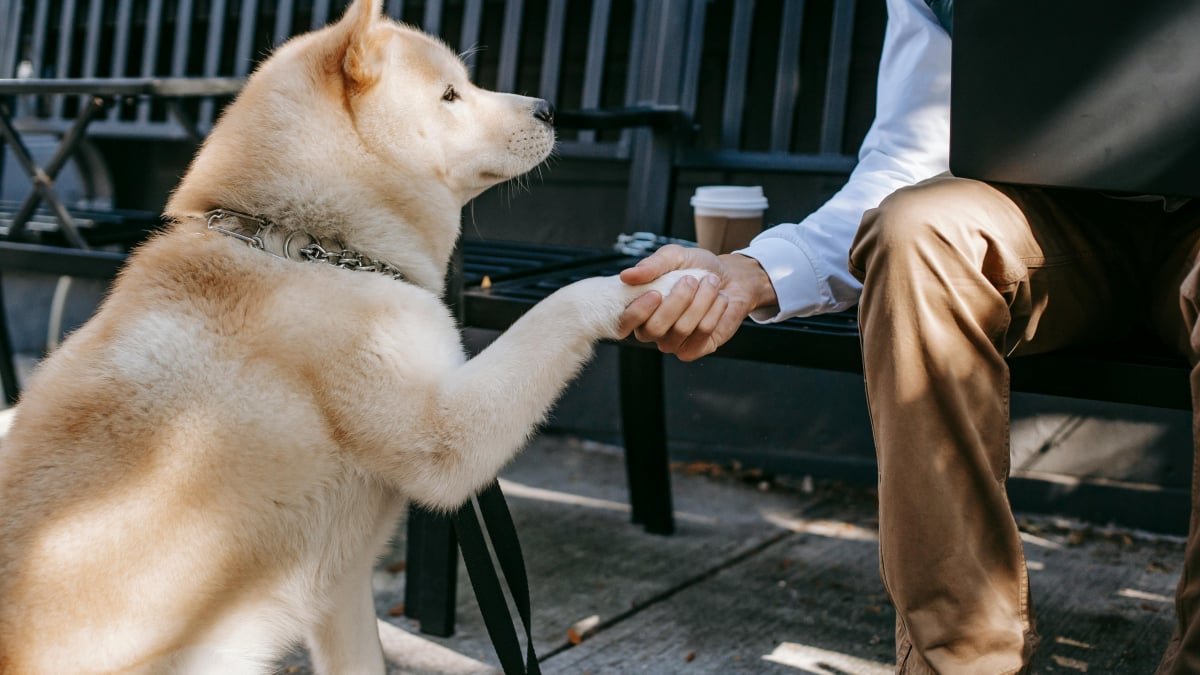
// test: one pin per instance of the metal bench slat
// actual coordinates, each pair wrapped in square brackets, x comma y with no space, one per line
[154,16]
[243,55]
[60,260]
[787,76]
[510,45]
[431,22]
[283,21]
[120,51]
[91,53]
[66,21]
[320,14]
[41,19]
[593,69]
[395,9]
[472,26]
[837,85]
[735,75]
[10,28]
[212,56]
[179,52]
[832,164]
[552,50]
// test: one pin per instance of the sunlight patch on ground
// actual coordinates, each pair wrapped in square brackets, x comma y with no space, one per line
[1069,663]
[1060,640]
[823,661]
[416,654]
[512,489]
[822,528]
[1143,595]
[1040,541]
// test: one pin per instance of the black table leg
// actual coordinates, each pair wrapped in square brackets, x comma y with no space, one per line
[431,573]
[8,364]
[643,416]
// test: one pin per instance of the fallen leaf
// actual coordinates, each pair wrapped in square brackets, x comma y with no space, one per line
[581,629]
[1074,664]
[1072,643]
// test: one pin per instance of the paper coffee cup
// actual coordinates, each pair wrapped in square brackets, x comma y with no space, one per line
[728,216]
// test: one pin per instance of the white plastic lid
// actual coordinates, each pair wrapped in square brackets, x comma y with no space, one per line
[730,197]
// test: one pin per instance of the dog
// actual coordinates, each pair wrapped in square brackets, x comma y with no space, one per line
[204,473]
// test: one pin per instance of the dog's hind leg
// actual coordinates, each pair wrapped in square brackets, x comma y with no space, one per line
[346,639]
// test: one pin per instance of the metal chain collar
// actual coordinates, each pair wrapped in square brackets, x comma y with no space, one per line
[312,252]
[348,260]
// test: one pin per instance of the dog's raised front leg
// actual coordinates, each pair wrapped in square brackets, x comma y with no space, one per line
[486,409]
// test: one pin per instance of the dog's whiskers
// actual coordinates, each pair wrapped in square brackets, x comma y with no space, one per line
[474,222]
[467,55]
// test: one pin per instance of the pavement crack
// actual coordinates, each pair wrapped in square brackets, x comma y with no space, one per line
[668,593]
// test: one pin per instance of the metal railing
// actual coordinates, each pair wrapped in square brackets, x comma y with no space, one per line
[779,98]
[575,53]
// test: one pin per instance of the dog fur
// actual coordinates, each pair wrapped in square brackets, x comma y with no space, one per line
[206,471]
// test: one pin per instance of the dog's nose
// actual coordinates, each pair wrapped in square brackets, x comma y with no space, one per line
[544,111]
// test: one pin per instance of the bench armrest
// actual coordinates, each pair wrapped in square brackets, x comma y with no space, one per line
[654,116]
[58,260]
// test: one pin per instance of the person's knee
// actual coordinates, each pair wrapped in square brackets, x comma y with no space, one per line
[914,224]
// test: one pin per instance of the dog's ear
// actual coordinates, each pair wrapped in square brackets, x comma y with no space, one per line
[362,64]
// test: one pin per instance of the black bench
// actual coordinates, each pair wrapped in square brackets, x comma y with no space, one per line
[835,46]
[846,34]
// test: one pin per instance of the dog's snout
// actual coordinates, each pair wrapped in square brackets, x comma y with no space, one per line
[544,111]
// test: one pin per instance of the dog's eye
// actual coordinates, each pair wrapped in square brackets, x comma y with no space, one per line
[450,95]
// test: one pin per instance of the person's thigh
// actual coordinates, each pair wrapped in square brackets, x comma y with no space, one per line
[1065,263]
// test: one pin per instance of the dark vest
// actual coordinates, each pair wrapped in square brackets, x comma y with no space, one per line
[944,11]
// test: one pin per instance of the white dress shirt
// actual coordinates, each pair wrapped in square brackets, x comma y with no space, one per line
[908,142]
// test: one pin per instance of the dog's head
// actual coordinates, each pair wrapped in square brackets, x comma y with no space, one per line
[369,129]
[413,99]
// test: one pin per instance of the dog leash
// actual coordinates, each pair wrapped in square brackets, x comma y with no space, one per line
[490,509]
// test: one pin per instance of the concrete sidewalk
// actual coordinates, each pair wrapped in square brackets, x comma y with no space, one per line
[761,577]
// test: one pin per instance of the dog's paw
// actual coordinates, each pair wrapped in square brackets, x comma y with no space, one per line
[599,301]
[667,282]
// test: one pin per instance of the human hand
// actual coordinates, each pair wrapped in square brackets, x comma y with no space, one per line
[698,316]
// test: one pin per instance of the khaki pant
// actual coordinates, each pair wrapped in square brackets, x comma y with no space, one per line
[957,275]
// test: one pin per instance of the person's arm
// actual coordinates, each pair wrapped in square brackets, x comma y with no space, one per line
[799,269]
[908,142]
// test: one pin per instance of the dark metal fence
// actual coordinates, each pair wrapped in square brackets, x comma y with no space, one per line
[510,45]
[780,94]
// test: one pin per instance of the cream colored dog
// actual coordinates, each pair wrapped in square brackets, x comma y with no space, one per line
[205,472]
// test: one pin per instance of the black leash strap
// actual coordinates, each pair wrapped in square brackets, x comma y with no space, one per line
[493,512]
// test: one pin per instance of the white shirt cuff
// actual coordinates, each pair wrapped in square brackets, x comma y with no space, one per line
[791,273]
